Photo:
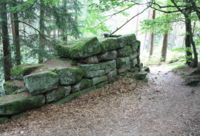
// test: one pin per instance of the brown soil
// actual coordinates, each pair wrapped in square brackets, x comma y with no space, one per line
[161,107]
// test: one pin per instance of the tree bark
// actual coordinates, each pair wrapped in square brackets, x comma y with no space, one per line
[15,34]
[164,48]
[152,36]
[41,35]
[5,38]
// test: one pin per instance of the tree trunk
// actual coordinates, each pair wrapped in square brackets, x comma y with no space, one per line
[164,48]
[15,34]
[64,30]
[152,36]
[41,35]
[188,41]
[5,37]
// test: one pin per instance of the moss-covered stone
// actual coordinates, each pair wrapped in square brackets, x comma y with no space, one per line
[112,76]
[62,50]
[125,51]
[91,74]
[125,40]
[90,60]
[108,56]
[123,64]
[18,72]
[68,76]
[10,87]
[75,95]
[14,104]
[109,44]
[102,84]
[3,120]
[140,75]
[83,84]
[57,94]
[97,80]
[93,70]
[42,82]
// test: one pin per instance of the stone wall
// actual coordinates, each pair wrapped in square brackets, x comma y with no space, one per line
[83,66]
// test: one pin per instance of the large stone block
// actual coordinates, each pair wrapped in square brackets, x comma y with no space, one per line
[125,51]
[57,94]
[14,104]
[123,64]
[11,87]
[112,76]
[83,84]
[91,74]
[93,70]
[39,83]
[68,76]
[109,44]
[18,72]
[81,49]
[108,56]
[3,120]
[97,80]
[127,40]
[90,60]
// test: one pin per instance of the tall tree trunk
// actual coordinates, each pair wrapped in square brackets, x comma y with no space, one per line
[15,34]
[164,48]
[64,30]
[41,35]
[152,36]
[189,42]
[5,37]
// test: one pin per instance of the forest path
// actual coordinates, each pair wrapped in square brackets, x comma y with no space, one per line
[161,107]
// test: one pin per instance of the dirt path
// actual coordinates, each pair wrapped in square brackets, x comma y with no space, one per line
[161,107]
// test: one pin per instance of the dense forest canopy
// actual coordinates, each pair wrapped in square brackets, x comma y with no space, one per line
[31,28]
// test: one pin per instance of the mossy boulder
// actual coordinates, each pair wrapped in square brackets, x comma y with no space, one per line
[3,120]
[90,60]
[81,49]
[18,72]
[93,70]
[91,74]
[97,80]
[42,82]
[102,84]
[123,64]
[83,84]
[57,94]
[110,55]
[11,87]
[125,51]
[112,76]
[71,75]
[109,44]
[140,75]
[128,39]
[14,104]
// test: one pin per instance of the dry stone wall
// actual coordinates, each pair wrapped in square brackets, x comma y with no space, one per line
[94,64]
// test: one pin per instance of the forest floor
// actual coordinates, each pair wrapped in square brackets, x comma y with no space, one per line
[162,107]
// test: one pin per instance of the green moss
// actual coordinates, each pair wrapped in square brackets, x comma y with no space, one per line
[75,95]
[110,44]
[14,104]
[85,83]
[10,87]
[3,120]
[18,72]
[69,76]
[141,75]
[41,82]
[81,49]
